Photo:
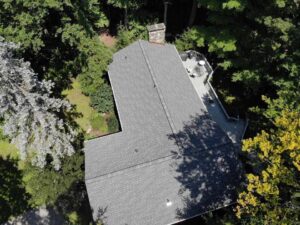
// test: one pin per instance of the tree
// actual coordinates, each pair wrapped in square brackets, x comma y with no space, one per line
[254,44]
[136,30]
[32,118]
[193,12]
[46,185]
[270,190]
[50,34]
[126,4]
[96,57]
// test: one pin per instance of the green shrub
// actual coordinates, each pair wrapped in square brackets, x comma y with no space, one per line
[102,100]
[135,31]
[187,40]
[113,124]
[97,56]
[73,218]
[97,122]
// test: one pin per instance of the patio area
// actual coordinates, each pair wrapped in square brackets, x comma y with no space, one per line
[200,72]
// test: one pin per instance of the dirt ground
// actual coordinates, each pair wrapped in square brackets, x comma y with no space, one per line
[107,39]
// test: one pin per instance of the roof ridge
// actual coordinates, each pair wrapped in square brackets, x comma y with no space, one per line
[137,166]
[161,99]
[148,163]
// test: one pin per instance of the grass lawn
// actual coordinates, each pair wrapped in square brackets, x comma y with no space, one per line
[8,150]
[92,122]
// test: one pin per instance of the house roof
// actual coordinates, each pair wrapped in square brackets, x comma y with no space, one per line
[169,149]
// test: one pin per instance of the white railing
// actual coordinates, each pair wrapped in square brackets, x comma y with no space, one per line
[207,83]
[209,77]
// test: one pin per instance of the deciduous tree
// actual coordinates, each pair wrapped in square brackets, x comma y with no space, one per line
[270,191]
[46,185]
[50,34]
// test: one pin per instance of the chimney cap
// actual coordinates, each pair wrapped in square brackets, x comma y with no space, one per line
[155,27]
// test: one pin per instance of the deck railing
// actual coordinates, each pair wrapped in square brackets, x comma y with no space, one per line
[209,85]
[212,91]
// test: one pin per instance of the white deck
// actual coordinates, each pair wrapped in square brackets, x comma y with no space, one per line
[234,129]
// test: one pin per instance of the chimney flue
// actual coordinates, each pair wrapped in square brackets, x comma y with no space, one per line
[157,33]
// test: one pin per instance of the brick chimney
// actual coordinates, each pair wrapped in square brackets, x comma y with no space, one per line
[157,33]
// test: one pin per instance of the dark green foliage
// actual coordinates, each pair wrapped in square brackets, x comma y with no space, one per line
[96,57]
[187,40]
[51,34]
[129,4]
[113,124]
[255,46]
[13,198]
[134,32]
[102,100]
[75,201]
[47,184]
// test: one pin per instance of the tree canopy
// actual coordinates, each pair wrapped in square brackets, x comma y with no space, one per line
[32,118]
[270,191]
[52,34]
[252,45]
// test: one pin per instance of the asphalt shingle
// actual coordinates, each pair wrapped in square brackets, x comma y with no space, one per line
[168,148]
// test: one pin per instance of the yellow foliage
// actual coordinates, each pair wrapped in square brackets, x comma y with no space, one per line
[277,151]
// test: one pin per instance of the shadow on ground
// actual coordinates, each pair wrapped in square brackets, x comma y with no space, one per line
[13,197]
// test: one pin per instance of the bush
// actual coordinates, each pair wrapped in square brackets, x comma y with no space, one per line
[135,31]
[73,218]
[187,40]
[102,99]
[97,122]
[97,57]
[113,124]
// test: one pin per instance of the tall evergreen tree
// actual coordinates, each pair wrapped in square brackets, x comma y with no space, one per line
[32,118]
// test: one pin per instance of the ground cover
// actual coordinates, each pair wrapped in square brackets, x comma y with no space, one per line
[93,123]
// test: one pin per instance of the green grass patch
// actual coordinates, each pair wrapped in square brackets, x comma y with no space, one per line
[8,150]
[92,122]
[98,122]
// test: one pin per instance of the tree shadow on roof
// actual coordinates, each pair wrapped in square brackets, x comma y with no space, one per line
[101,217]
[207,167]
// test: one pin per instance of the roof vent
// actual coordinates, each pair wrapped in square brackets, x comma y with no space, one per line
[169,203]
[157,33]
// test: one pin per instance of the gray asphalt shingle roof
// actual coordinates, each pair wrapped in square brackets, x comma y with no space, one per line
[167,143]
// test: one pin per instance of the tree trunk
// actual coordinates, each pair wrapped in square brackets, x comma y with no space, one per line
[193,13]
[125,17]
[165,12]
